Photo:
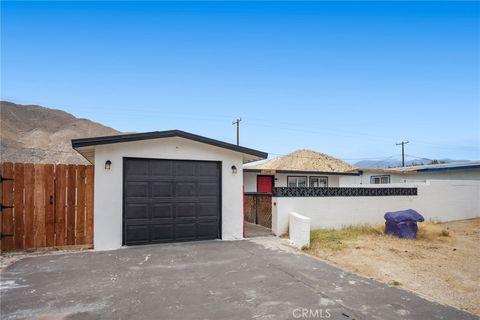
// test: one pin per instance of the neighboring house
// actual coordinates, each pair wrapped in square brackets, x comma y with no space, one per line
[307,168]
[445,171]
[165,186]
[302,168]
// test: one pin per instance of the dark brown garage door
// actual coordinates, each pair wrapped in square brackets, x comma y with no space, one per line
[170,200]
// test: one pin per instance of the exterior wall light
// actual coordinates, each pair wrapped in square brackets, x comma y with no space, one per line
[108,164]
[234,170]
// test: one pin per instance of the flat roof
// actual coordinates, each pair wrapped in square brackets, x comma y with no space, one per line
[428,167]
[131,137]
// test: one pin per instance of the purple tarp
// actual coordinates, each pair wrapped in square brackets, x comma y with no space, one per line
[404,215]
[403,223]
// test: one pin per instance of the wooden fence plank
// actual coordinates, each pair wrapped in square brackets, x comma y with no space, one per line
[71,192]
[89,175]
[8,229]
[1,199]
[29,209]
[18,206]
[40,240]
[80,221]
[49,205]
[60,204]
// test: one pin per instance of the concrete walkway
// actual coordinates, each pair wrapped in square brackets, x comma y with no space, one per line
[254,279]
[255,230]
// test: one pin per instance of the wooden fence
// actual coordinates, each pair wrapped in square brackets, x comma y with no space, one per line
[46,206]
[258,208]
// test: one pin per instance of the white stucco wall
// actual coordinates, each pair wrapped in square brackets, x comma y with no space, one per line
[472,174]
[250,181]
[109,183]
[415,177]
[443,200]
[365,179]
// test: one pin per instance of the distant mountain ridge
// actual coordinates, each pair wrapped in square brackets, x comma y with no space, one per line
[32,133]
[382,164]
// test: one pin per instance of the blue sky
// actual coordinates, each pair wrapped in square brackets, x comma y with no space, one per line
[347,78]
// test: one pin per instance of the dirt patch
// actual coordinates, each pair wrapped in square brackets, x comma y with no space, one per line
[442,265]
[9,258]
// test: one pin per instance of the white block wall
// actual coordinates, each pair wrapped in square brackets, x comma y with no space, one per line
[443,200]
[299,230]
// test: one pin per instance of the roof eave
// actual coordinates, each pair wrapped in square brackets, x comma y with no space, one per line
[86,142]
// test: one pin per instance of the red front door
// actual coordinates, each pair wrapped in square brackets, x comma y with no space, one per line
[264,184]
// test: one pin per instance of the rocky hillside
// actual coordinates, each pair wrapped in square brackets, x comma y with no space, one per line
[30,133]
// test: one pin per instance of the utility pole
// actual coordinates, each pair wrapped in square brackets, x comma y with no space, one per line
[403,143]
[237,122]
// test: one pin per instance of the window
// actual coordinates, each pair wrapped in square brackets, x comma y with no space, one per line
[296,181]
[380,179]
[318,182]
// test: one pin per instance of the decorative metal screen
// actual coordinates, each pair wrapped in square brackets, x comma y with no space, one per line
[342,192]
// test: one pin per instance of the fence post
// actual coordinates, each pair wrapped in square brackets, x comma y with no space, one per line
[7,229]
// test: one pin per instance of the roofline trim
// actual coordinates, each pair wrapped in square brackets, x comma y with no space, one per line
[303,172]
[466,167]
[131,137]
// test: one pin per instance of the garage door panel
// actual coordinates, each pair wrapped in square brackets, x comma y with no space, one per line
[171,200]
[185,189]
[186,210]
[207,230]
[137,189]
[162,189]
[161,169]
[185,168]
[138,167]
[185,230]
[137,211]
[162,232]
[138,234]
[207,210]
[206,169]
[208,189]
[162,210]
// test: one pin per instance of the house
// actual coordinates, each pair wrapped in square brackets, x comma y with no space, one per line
[445,171]
[301,168]
[165,186]
[307,168]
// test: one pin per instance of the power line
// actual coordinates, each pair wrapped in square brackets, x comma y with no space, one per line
[421,158]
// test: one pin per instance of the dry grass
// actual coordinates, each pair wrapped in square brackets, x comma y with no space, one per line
[338,239]
[431,231]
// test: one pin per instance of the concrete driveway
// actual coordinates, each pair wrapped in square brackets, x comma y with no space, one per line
[204,280]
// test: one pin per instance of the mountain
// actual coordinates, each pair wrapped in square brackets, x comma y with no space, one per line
[372,164]
[31,133]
